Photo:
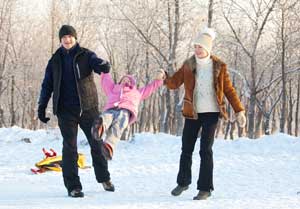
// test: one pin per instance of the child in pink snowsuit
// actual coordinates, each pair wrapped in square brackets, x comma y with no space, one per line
[121,108]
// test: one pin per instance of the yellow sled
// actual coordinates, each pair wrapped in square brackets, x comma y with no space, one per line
[52,162]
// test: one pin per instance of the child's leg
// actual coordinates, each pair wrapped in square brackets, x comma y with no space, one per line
[107,118]
[118,125]
[101,124]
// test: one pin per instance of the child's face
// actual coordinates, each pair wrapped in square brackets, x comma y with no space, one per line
[126,81]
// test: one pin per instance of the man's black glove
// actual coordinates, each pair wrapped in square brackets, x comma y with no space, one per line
[42,114]
[105,66]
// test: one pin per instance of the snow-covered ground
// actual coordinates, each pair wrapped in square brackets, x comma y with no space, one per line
[248,174]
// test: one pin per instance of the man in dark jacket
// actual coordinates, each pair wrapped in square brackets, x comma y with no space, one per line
[69,77]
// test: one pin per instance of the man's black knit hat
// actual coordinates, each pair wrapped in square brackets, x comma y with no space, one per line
[67,30]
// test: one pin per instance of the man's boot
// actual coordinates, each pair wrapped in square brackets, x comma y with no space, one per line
[108,186]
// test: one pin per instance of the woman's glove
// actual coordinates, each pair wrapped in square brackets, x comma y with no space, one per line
[160,75]
[241,119]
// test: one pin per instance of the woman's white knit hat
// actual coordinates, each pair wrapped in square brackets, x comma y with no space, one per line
[204,38]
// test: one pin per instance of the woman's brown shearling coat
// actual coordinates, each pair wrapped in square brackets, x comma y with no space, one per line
[222,84]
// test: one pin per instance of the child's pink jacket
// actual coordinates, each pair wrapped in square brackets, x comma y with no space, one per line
[129,98]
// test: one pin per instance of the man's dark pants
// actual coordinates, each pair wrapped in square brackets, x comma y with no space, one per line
[68,120]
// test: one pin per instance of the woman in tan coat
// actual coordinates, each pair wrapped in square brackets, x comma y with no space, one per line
[206,81]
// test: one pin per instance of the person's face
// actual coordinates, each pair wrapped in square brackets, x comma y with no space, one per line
[200,52]
[68,41]
[125,81]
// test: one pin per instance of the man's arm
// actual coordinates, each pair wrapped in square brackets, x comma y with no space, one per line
[98,65]
[46,91]
[47,86]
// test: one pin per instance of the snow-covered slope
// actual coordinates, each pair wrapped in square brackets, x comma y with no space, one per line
[262,173]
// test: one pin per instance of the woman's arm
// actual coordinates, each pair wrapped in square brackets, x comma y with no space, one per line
[175,81]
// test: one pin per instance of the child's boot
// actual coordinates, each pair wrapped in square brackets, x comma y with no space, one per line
[97,129]
[107,151]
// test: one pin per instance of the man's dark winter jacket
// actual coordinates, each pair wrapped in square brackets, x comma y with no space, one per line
[69,77]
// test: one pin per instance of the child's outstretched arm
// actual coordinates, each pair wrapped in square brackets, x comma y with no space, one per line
[147,90]
[107,83]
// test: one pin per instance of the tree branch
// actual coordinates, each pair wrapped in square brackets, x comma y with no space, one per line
[276,79]
[236,36]
[262,26]
[141,32]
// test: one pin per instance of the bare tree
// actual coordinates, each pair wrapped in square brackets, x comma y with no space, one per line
[12,102]
[168,57]
[260,45]
[210,12]
[285,33]
[251,53]
[5,27]
[290,109]
[267,111]
[283,58]
[297,107]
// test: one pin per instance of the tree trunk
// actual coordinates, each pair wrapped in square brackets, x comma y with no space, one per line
[267,124]
[274,121]
[145,104]
[290,113]
[163,110]
[232,129]
[3,68]
[258,128]
[219,128]
[25,97]
[284,98]
[297,108]
[227,129]
[177,128]
[33,122]
[167,119]
[1,82]
[12,102]
[1,118]
[252,102]
[23,117]
[144,116]
[150,114]
[156,114]
[173,31]
[251,115]
[229,123]
[180,121]
[210,13]
[54,23]
[133,129]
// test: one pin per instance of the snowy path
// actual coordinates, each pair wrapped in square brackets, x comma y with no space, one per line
[248,174]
